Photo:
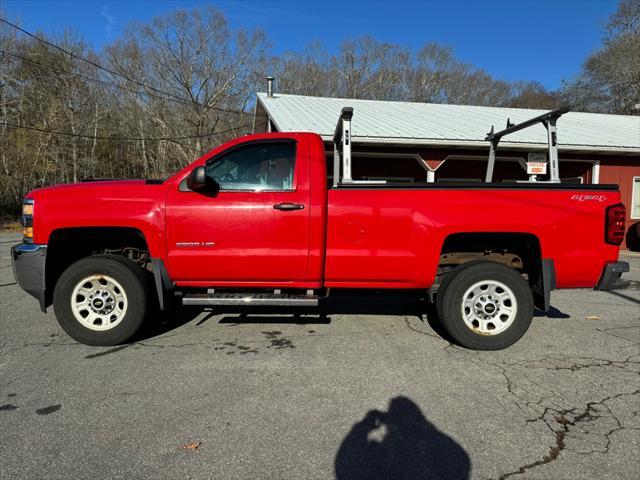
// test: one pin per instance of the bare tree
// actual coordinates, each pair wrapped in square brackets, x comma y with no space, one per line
[306,73]
[435,74]
[196,72]
[533,95]
[369,69]
[610,79]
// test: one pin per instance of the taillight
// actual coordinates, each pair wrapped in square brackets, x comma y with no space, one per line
[614,224]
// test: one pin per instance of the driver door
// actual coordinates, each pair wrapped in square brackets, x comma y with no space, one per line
[254,229]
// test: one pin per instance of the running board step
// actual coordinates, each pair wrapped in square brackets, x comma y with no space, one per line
[267,299]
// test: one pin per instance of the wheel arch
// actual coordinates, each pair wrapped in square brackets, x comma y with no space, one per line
[519,250]
[68,245]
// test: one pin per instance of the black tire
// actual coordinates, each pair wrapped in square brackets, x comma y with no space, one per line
[133,279]
[450,297]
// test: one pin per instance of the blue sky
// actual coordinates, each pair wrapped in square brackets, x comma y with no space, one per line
[542,40]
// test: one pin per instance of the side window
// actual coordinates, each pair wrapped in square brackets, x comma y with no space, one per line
[257,166]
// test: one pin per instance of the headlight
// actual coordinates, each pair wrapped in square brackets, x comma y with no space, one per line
[27,207]
[27,220]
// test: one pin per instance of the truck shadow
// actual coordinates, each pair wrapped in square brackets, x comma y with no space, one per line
[262,317]
[552,313]
[395,304]
[623,296]
[400,443]
[400,304]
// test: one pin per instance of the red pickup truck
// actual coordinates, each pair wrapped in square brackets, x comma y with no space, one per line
[257,221]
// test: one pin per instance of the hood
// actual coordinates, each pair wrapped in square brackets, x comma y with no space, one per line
[103,189]
[89,187]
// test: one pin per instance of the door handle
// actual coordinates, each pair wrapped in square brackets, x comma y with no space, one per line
[288,206]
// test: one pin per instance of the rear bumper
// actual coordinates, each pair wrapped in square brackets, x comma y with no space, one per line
[611,274]
[28,262]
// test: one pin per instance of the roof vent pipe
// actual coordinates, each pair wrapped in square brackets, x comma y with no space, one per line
[269,86]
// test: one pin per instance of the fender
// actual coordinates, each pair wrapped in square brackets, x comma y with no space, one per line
[133,204]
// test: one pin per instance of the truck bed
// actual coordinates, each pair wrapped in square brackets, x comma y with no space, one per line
[392,235]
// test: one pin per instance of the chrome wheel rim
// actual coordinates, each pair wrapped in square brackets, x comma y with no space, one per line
[489,307]
[99,302]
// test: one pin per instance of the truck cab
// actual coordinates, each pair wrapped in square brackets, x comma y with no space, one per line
[250,213]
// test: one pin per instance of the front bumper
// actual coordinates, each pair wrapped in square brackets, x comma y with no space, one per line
[611,274]
[28,262]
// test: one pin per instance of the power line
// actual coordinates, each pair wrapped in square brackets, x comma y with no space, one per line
[60,70]
[165,94]
[91,62]
[109,84]
[131,139]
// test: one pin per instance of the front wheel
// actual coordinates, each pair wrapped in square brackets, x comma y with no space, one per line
[485,305]
[101,300]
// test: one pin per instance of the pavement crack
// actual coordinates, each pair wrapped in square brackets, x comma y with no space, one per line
[554,453]
[607,331]
[569,420]
[413,329]
[581,427]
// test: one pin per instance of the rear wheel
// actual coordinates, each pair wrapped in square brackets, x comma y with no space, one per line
[485,305]
[102,299]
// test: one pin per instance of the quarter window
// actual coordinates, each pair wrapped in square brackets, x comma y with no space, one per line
[256,167]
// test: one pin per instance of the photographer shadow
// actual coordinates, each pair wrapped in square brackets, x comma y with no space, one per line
[400,443]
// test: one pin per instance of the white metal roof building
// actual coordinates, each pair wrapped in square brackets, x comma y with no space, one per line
[428,124]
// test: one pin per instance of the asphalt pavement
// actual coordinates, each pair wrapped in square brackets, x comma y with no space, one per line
[365,389]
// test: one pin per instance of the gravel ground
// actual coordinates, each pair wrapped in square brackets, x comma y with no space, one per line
[368,391]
